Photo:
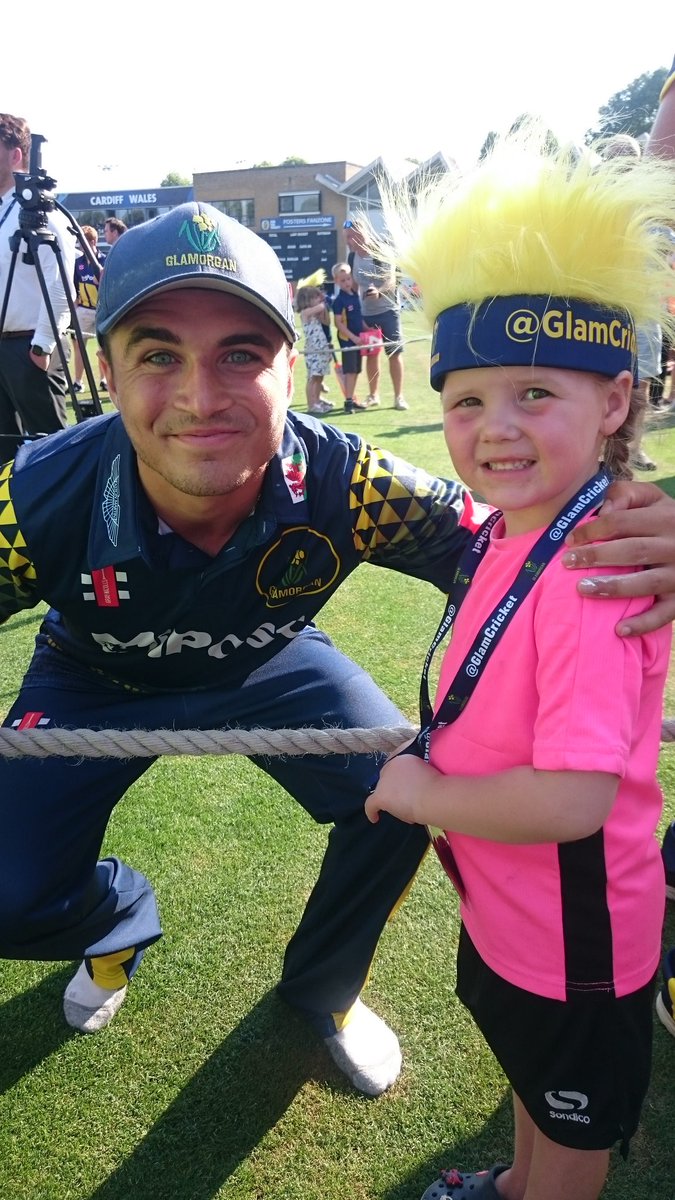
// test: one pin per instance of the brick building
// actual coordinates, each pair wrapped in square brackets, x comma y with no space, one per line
[300,209]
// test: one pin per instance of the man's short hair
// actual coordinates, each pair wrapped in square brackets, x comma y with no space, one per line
[14,132]
[116,225]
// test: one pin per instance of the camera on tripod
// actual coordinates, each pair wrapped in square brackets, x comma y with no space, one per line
[35,197]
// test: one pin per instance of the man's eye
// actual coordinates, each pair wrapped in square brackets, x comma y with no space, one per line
[160,358]
[239,356]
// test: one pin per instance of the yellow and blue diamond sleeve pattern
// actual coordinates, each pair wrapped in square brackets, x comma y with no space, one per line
[17,573]
[390,501]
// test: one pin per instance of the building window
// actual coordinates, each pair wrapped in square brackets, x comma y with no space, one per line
[367,196]
[299,202]
[242,211]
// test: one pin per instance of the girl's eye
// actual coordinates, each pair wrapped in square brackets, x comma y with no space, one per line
[451,403]
[536,393]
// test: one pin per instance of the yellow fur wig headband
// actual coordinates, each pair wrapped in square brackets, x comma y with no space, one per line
[315,280]
[540,257]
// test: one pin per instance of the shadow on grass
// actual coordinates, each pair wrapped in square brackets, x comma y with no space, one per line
[32,1028]
[223,1113]
[403,431]
[492,1143]
[31,619]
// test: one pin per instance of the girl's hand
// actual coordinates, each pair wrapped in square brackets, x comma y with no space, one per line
[400,790]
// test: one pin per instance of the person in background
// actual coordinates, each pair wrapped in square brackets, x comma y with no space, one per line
[349,324]
[87,278]
[650,336]
[113,230]
[380,301]
[310,301]
[32,380]
[536,772]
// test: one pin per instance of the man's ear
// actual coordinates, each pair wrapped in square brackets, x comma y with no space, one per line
[292,359]
[107,374]
[617,402]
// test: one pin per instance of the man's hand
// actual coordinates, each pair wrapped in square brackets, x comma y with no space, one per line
[635,527]
[40,360]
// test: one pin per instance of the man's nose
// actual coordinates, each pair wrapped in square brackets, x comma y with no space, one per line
[202,391]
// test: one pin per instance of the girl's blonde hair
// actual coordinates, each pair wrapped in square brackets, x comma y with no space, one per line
[530,221]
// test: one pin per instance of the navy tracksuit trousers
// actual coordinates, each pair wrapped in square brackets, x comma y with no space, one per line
[57,901]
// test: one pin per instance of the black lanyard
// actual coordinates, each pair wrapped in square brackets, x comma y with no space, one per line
[457,696]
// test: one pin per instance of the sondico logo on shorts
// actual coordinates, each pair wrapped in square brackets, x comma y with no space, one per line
[524,325]
[568,1106]
[301,563]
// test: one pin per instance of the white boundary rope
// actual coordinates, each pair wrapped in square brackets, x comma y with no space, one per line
[425,337]
[263,743]
[149,743]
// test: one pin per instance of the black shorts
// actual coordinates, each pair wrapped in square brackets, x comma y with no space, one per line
[580,1067]
[351,361]
[390,324]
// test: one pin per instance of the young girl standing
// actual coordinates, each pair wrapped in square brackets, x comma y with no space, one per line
[311,304]
[536,772]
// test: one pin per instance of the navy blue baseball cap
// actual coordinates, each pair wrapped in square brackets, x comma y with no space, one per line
[194,245]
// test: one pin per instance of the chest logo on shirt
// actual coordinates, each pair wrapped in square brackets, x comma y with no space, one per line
[301,563]
[111,501]
[295,468]
[106,591]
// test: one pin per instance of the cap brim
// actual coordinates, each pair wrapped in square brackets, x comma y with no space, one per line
[198,279]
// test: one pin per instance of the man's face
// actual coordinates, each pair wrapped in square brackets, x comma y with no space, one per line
[11,160]
[202,381]
[110,235]
[354,239]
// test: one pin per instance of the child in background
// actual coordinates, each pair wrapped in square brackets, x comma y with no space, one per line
[540,789]
[310,302]
[349,324]
[87,280]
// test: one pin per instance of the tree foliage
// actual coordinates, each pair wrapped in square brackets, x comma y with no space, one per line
[632,110]
[293,160]
[175,179]
[523,121]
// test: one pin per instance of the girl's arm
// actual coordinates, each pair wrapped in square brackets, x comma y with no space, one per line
[315,310]
[519,805]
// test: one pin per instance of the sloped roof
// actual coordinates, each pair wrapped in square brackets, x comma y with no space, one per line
[396,170]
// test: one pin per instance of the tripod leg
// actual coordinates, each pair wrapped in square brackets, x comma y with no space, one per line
[82,409]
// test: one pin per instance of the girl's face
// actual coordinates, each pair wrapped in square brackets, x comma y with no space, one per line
[527,438]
